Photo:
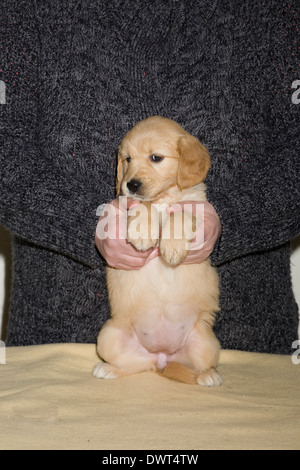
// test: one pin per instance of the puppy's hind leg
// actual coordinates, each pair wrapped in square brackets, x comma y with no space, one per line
[121,354]
[103,370]
[204,351]
[201,354]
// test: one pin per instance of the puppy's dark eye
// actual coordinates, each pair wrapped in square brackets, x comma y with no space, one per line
[156,158]
[128,159]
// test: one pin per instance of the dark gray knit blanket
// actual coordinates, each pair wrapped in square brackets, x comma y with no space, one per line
[75,75]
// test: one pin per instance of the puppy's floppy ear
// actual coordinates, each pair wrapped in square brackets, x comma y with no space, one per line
[119,175]
[194,161]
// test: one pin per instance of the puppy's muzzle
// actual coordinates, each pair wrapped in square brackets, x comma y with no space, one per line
[134,185]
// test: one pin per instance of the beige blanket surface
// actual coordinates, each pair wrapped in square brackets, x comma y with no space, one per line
[50,400]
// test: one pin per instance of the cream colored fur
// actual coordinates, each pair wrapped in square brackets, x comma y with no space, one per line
[162,314]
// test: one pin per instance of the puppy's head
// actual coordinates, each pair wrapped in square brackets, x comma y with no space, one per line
[157,154]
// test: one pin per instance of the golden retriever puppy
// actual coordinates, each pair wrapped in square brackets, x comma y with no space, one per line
[161,315]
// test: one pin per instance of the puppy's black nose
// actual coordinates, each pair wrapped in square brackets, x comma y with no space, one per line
[133,185]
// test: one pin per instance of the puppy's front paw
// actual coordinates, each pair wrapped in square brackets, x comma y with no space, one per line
[177,234]
[139,237]
[142,227]
[173,251]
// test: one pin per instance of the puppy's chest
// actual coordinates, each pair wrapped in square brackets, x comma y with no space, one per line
[159,281]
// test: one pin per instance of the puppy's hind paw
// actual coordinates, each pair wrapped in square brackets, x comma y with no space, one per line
[209,378]
[102,370]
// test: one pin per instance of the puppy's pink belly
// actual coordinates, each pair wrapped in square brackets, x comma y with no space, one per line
[164,338]
[165,345]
